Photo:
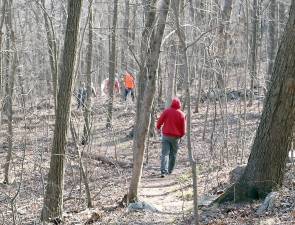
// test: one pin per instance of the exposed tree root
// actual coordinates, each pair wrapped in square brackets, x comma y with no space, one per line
[245,192]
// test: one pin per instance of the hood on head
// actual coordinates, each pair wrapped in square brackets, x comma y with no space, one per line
[176,103]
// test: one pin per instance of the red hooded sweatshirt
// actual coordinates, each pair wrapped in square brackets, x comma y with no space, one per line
[173,120]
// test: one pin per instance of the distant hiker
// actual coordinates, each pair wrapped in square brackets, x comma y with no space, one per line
[129,83]
[82,94]
[106,87]
[173,124]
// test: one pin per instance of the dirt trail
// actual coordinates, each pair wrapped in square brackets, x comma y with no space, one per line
[165,194]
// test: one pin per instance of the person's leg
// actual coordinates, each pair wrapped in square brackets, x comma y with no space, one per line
[172,154]
[79,103]
[165,156]
[126,93]
[132,94]
[83,102]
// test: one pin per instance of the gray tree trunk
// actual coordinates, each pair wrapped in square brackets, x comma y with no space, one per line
[183,48]
[148,73]
[52,52]
[272,38]
[253,50]
[9,88]
[112,65]
[53,199]
[1,38]
[266,164]
[89,85]
[124,52]
[223,37]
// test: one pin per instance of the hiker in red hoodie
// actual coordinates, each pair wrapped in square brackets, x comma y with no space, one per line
[173,124]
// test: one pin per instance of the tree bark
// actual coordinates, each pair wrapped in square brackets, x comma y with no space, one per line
[52,52]
[266,164]
[1,38]
[112,65]
[253,50]
[223,37]
[53,200]
[9,89]
[183,48]
[124,55]
[272,46]
[148,71]
[88,102]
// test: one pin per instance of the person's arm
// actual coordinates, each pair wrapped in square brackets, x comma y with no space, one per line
[161,120]
[183,126]
[93,91]
[117,86]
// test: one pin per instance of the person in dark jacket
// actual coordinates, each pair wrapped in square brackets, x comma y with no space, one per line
[173,124]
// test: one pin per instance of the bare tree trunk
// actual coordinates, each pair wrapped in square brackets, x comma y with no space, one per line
[52,52]
[112,65]
[253,51]
[171,75]
[82,167]
[124,55]
[272,46]
[9,89]
[183,49]
[132,34]
[1,38]
[100,60]
[266,164]
[53,199]
[148,72]
[88,102]
[223,37]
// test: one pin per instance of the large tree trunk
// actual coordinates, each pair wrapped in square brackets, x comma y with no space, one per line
[267,161]
[53,200]
[148,73]
[112,65]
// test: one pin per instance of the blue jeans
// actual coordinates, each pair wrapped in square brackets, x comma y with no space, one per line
[169,152]
[127,91]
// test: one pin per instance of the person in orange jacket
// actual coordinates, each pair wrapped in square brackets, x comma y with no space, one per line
[129,83]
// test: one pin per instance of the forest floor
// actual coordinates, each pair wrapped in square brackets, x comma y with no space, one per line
[109,159]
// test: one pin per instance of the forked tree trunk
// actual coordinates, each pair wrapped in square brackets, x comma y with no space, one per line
[148,70]
[53,199]
[266,164]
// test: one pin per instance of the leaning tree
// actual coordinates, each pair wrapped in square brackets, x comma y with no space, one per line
[266,164]
[150,51]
